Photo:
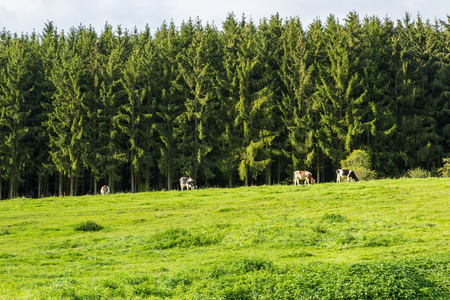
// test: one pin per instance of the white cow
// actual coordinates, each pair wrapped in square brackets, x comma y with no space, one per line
[105,190]
[187,182]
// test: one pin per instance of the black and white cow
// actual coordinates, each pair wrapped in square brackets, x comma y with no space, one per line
[187,182]
[105,190]
[345,173]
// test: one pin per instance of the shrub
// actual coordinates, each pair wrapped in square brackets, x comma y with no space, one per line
[418,173]
[445,170]
[179,237]
[144,188]
[88,226]
[359,161]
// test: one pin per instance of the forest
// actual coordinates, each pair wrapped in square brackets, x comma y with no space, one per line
[245,104]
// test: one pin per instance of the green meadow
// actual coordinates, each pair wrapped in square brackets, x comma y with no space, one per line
[382,239]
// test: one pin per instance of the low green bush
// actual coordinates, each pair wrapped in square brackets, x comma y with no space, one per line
[418,173]
[179,237]
[445,170]
[88,226]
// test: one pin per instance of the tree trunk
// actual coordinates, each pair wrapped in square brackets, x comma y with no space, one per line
[71,184]
[169,178]
[60,184]
[132,178]
[268,175]
[11,188]
[39,187]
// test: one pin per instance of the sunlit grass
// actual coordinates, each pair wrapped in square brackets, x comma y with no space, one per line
[147,237]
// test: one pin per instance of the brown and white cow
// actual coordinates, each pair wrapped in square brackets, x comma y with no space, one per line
[345,173]
[306,176]
[104,190]
[187,182]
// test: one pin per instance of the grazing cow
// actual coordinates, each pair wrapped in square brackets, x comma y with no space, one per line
[187,182]
[105,190]
[303,175]
[349,174]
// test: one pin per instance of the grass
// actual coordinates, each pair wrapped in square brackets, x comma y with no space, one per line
[372,240]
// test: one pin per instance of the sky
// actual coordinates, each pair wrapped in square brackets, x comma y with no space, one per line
[26,16]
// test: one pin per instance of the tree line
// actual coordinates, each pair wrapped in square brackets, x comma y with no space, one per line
[246,104]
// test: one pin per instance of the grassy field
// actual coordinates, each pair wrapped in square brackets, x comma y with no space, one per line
[384,239]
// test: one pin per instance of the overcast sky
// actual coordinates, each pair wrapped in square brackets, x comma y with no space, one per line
[25,16]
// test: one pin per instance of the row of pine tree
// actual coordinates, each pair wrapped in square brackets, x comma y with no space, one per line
[246,104]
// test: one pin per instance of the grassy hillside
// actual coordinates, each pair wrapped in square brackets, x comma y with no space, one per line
[378,239]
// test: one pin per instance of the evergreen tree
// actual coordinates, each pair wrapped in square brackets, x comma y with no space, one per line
[170,101]
[16,84]
[339,94]
[199,68]
[270,50]
[252,110]
[67,120]
[441,85]
[114,51]
[295,106]
[379,122]
[132,117]
[229,95]
[44,91]
[417,125]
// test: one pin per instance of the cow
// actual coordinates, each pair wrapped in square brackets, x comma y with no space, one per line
[187,182]
[105,190]
[303,175]
[345,173]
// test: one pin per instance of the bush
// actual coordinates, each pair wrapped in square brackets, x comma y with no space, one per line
[418,173]
[359,161]
[445,170]
[179,237]
[88,226]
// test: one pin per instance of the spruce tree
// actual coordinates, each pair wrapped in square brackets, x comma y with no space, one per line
[67,120]
[295,106]
[132,117]
[169,103]
[16,85]
[252,110]
[114,50]
[199,68]
[231,36]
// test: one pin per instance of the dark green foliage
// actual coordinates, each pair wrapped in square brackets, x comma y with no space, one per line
[247,104]
[88,226]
